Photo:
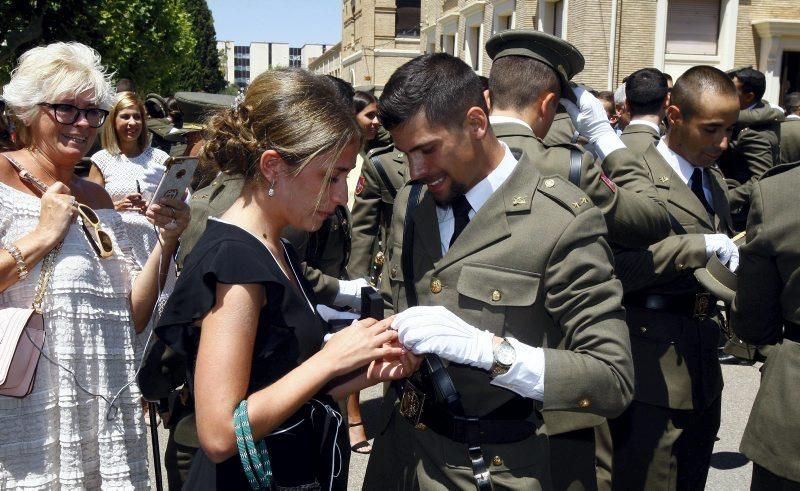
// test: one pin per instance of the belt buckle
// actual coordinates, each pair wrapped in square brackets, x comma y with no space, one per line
[412,402]
[702,305]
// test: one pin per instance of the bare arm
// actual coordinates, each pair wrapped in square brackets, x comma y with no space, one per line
[96,176]
[222,373]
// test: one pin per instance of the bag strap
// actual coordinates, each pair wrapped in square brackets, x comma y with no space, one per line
[575,167]
[383,175]
[408,245]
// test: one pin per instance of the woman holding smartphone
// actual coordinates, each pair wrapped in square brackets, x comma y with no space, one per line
[129,168]
[243,314]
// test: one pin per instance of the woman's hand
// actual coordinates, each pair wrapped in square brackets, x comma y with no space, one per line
[394,368]
[131,202]
[171,216]
[361,343]
[56,213]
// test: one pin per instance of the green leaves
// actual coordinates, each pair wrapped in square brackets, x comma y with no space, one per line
[162,45]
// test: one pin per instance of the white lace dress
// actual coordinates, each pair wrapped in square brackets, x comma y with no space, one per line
[121,174]
[58,437]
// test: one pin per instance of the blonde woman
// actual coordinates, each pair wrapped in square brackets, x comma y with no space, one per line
[81,427]
[129,168]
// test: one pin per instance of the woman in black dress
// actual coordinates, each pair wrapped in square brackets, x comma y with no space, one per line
[242,312]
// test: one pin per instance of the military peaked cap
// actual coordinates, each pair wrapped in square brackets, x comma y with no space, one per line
[561,56]
[196,108]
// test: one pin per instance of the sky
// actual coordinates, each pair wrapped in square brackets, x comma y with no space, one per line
[296,22]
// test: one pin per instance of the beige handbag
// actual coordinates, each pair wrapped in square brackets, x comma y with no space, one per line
[22,338]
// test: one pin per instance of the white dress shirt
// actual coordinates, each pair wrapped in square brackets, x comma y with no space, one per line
[684,169]
[508,119]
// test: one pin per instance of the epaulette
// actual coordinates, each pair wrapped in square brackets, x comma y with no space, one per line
[380,150]
[562,192]
[778,169]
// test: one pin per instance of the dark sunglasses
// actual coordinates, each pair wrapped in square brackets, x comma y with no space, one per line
[68,114]
[99,239]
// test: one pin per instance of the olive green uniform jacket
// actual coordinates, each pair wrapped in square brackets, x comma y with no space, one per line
[790,140]
[638,137]
[533,264]
[372,210]
[635,215]
[766,310]
[753,150]
[675,356]
[562,131]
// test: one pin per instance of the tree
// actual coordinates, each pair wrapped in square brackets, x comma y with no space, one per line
[201,72]
[159,44]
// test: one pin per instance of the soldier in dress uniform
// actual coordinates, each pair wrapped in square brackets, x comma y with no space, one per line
[524,88]
[790,130]
[646,99]
[755,145]
[766,311]
[664,440]
[489,243]
[382,175]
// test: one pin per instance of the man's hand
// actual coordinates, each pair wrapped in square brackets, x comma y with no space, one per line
[724,248]
[437,330]
[349,294]
[591,121]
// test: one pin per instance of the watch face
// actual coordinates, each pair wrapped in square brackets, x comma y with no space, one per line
[505,354]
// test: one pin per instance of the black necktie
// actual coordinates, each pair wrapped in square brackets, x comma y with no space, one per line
[461,210]
[697,189]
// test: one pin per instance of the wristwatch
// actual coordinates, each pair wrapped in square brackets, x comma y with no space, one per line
[504,357]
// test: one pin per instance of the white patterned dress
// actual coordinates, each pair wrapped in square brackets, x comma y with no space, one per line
[58,437]
[121,174]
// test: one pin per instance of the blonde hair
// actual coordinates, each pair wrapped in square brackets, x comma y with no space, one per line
[294,112]
[108,137]
[46,73]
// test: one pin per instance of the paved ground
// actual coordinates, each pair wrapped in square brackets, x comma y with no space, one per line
[730,470]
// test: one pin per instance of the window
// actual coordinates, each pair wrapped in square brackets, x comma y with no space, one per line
[295,57]
[472,46]
[504,16]
[406,21]
[552,18]
[693,27]
[449,43]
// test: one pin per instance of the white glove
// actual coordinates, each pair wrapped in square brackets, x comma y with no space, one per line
[437,330]
[724,248]
[349,294]
[591,121]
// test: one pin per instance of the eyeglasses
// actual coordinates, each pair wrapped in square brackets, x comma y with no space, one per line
[99,239]
[68,114]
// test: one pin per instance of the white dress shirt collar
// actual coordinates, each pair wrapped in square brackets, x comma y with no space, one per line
[508,119]
[477,196]
[680,165]
[648,123]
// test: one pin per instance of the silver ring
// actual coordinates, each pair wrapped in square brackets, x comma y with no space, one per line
[172,210]
[173,223]
[74,201]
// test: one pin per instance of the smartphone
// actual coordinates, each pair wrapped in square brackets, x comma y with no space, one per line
[176,178]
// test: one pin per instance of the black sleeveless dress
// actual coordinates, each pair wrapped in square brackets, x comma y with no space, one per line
[302,450]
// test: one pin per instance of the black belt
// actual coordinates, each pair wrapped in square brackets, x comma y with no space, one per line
[697,306]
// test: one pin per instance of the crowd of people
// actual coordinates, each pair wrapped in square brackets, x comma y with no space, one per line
[562,272]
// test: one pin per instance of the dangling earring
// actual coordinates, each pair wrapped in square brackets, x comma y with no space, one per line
[271,191]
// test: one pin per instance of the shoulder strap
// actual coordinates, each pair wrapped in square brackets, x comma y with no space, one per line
[575,167]
[408,245]
[384,177]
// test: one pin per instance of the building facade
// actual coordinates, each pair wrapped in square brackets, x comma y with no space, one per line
[377,37]
[619,36]
[242,63]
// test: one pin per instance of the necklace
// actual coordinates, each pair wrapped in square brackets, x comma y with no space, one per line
[39,165]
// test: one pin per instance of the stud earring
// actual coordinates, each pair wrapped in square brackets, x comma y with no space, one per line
[271,191]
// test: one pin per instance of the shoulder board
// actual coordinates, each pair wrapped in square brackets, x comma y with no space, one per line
[778,169]
[564,193]
[380,150]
